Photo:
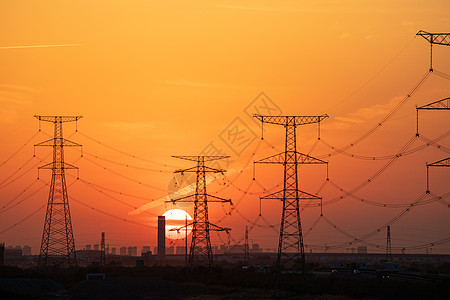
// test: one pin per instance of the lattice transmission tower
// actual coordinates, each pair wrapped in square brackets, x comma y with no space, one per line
[200,254]
[435,39]
[388,244]
[57,245]
[102,250]
[246,248]
[291,237]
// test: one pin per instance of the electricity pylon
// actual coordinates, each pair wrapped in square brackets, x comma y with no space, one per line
[291,237]
[57,245]
[388,244]
[443,104]
[440,163]
[246,248]
[102,250]
[200,254]
[435,38]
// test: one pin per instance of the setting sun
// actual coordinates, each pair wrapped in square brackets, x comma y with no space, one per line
[176,219]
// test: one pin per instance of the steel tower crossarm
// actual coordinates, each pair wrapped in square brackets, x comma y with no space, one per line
[440,163]
[61,119]
[290,120]
[440,104]
[435,38]
[280,158]
[203,158]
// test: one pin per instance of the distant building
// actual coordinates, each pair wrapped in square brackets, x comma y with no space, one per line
[96,247]
[123,250]
[236,249]
[362,249]
[88,247]
[13,255]
[161,236]
[256,249]
[26,250]
[223,249]
[180,250]
[113,251]
[2,254]
[170,250]
[145,249]
[132,251]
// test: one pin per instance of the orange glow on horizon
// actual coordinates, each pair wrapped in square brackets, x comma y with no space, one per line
[154,79]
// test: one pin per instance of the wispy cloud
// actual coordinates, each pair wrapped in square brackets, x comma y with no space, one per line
[18,88]
[184,82]
[369,113]
[345,35]
[38,46]
[260,8]
[187,190]
[14,94]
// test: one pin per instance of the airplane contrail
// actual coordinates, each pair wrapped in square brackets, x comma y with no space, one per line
[181,192]
[38,46]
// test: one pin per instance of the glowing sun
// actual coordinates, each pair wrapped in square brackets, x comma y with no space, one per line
[176,218]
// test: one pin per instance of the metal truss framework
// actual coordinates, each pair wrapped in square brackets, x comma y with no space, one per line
[440,163]
[57,245]
[388,244]
[200,254]
[102,250]
[435,38]
[443,104]
[291,237]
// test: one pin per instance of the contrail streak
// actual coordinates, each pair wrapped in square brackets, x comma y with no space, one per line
[38,46]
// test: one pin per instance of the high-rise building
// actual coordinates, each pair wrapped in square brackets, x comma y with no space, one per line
[113,251]
[88,247]
[362,249]
[145,249]
[132,251]
[123,250]
[96,247]
[256,249]
[161,236]
[180,250]
[26,250]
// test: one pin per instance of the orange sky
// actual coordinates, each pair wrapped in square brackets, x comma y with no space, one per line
[162,78]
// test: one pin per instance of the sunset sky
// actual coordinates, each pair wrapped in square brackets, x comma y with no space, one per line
[154,79]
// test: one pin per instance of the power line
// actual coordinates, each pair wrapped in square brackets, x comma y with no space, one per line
[371,78]
[124,152]
[111,215]
[20,148]
[125,165]
[23,220]
[123,176]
